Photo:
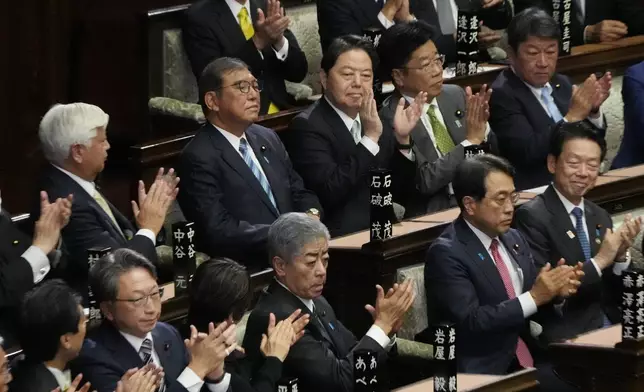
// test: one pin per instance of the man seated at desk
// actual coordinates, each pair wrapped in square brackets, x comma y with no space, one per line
[258,36]
[561,223]
[451,120]
[238,176]
[529,98]
[337,141]
[479,274]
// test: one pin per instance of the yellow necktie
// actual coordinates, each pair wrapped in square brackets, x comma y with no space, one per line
[245,23]
[106,207]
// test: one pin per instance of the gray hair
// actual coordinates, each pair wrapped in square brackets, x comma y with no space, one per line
[212,77]
[65,125]
[105,274]
[291,232]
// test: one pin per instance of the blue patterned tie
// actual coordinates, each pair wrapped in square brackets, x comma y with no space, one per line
[263,181]
[553,110]
[581,233]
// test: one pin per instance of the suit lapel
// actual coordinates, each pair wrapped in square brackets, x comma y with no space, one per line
[328,327]
[228,25]
[518,256]
[565,236]
[532,104]
[420,134]
[122,350]
[337,126]
[448,108]
[559,96]
[162,346]
[595,229]
[263,158]
[46,379]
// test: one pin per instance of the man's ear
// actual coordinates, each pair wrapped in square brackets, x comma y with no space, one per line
[106,309]
[212,101]
[397,78]
[469,205]
[323,79]
[279,266]
[552,163]
[76,153]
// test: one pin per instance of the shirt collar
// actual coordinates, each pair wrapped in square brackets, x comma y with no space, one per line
[232,139]
[426,106]
[235,8]
[568,205]
[307,302]
[136,341]
[63,377]
[88,186]
[485,239]
[348,121]
[535,90]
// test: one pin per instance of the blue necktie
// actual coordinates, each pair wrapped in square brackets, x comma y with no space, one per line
[581,233]
[263,181]
[553,110]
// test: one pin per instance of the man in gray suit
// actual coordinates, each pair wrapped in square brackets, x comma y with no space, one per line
[452,119]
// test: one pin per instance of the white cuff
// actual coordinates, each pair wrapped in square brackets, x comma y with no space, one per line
[528,305]
[220,387]
[386,23]
[372,146]
[618,267]
[377,334]
[599,270]
[467,143]
[149,234]
[38,261]
[599,121]
[190,380]
[409,154]
[282,53]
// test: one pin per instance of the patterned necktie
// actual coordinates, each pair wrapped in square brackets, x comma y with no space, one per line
[263,181]
[442,137]
[581,233]
[446,16]
[145,352]
[553,110]
[523,354]
[356,132]
[245,23]
[106,207]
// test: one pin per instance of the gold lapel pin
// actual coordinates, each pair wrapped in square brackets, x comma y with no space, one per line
[15,242]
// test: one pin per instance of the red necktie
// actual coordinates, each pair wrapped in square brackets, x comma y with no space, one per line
[523,354]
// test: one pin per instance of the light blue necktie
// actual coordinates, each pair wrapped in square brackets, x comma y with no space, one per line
[553,110]
[581,233]
[263,181]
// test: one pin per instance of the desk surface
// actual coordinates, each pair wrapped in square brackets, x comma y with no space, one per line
[607,337]
[473,382]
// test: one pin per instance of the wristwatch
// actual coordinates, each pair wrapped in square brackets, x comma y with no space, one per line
[313,211]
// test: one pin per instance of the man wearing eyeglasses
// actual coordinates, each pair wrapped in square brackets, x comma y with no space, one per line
[239,176]
[451,120]
[480,275]
[131,335]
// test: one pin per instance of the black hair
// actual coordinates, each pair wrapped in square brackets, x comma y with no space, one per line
[470,176]
[565,131]
[345,44]
[399,42]
[105,274]
[532,22]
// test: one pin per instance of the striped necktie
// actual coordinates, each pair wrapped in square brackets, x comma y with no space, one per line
[263,181]
[145,352]
[581,233]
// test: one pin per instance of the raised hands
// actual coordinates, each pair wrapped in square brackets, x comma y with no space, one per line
[53,218]
[146,379]
[629,229]
[552,282]
[74,387]
[371,124]
[278,339]
[616,242]
[588,97]
[576,273]
[405,119]
[152,207]
[603,91]
[208,351]
[478,112]
[390,309]
[270,26]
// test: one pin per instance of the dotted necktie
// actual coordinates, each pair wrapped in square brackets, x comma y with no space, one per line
[443,139]
[581,233]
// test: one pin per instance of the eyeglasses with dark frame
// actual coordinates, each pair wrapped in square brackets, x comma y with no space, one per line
[244,86]
[142,301]
[438,61]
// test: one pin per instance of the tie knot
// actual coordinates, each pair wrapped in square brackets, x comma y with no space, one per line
[546,91]
[494,245]
[577,212]
[146,346]
[431,110]
[243,145]
[243,13]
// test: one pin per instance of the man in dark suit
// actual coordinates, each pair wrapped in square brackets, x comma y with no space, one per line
[74,140]
[322,359]
[530,98]
[479,274]
[595,21]
[259,37]
[238,176]
[22,265]
[131,335]
[561,223]
[630,151]
[336,142]
[344,17]
[451,120]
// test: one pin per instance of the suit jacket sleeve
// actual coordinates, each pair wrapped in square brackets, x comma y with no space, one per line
[631,13]
[16,278]
[446,277]
[201,201]
[336,19]
[264,380]
[332,181]
[294,67]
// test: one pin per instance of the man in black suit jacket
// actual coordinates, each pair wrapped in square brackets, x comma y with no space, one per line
[549,223]
[24,262]
[336,142]
[233,196]
[322,359]
[74,140]
[213,29]
[479,275]
[530,98]
[131,335]
[595,21]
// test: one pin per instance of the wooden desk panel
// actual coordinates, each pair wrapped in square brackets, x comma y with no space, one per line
[627,172]
[525,380]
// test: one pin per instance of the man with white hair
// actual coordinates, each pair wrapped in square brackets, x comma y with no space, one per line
[74,141]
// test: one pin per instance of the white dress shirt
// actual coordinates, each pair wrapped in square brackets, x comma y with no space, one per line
[369,144]
[235,8]
[598,122]
[235,142]
[528,305]
[90,188]
[618,268]
[187,378]
[375,332]
[63,378]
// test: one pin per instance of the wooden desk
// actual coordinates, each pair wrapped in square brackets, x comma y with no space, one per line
[357,265]
[525,380]
[593,363]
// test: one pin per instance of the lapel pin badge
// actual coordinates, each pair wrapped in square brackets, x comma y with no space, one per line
[481,256]
[16,242]
[458,113]
[331,326]
[598,241]
[558,85]
[458,123]
[571,235]
[515,248]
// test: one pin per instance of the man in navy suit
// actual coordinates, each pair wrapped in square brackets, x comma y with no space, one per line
[631,151]
[131,335]
[479,274]
[529,98]
[238,176]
